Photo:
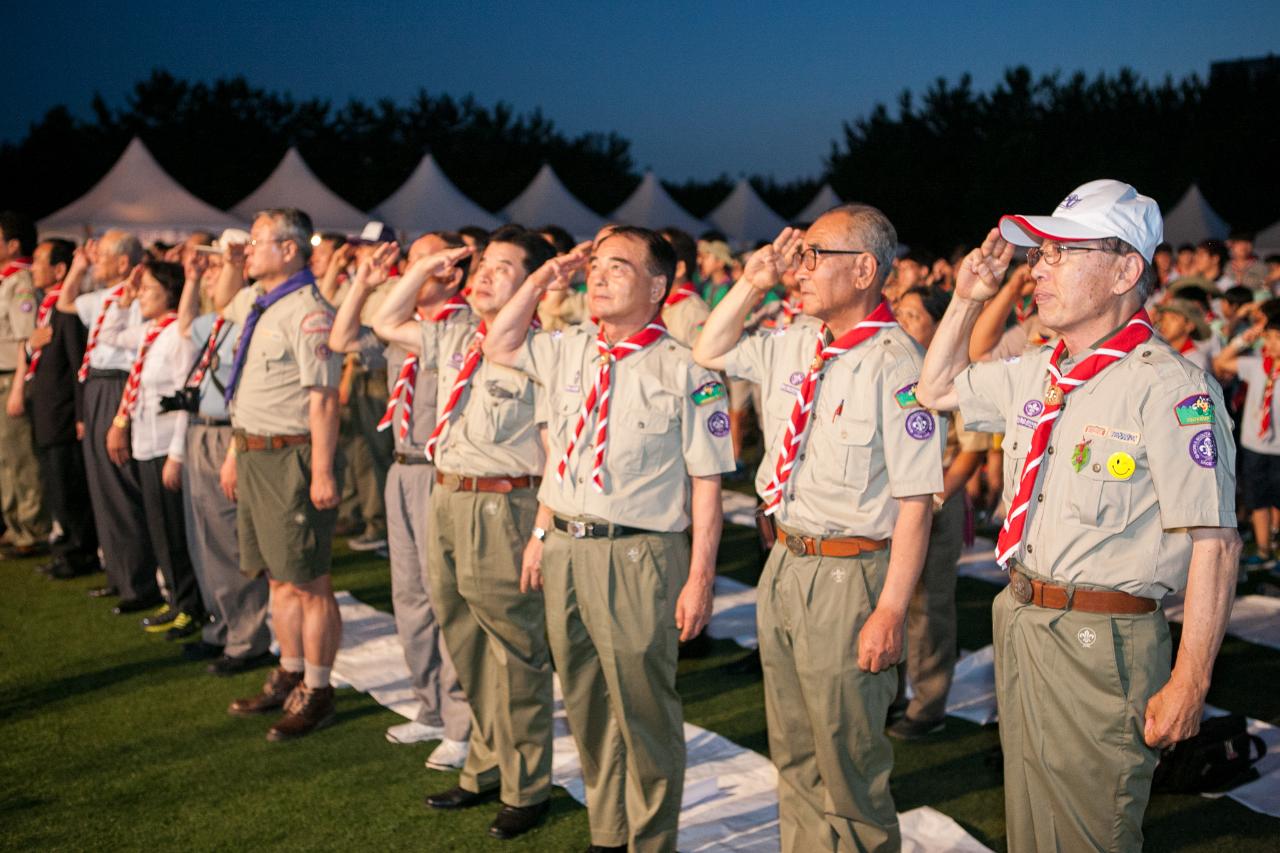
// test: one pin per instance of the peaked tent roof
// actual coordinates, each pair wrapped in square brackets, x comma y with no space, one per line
[651,206]
[139,195]
[744,217]
[1267,241]
[546,201]
[293,184]
[1192,220]
[822,202]
[428,201]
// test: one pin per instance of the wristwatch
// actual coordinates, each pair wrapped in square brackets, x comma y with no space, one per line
[120,422]
[539,533]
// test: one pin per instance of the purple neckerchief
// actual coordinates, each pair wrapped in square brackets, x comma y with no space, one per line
[297,281]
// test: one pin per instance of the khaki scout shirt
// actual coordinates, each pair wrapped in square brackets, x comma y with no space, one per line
[1160,459]
[1249,369]
[493,431]
[660,435]
[288,355]
[17,315]
[423,419]
[684,319]
[868,441]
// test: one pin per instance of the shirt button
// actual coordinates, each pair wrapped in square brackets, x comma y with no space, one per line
[1097,467]
[802,455]
[1040,498]
[1030,549]
[1015,445]
[1050,449]
[640,424]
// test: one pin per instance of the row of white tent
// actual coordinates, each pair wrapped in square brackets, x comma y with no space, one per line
[137,194]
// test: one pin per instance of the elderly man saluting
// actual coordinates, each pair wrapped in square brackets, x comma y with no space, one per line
[1119,480]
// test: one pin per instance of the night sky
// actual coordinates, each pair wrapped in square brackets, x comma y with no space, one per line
[699,88]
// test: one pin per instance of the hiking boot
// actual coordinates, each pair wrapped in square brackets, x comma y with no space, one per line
[274,693]
[306,709]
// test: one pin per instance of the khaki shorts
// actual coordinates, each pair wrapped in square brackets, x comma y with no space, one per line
[281,531]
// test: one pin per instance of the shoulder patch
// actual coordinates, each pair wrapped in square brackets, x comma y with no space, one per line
[906,396]
[707,393]
[1196,410]
[318,322]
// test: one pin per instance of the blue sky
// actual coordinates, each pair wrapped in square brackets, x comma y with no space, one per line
[698,87]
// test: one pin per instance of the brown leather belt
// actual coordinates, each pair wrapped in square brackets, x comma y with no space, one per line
[457,483]
[247,442]
[418,458]
[1026,590]
[829,546]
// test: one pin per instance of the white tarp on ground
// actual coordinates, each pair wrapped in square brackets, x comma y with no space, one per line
[1192,220]
[822,202]
[428,201]
[293,184]
[651,206]
[744,217]
[730,799]
[546,201]
[136,194]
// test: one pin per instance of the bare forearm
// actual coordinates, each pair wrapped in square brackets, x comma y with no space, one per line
[510,328]
[71,285]
[959,472]
[724,326]
[324,429]
[948,355]
[188,306]
[230,282]
[990,323]
[393,321]
[345,333]
[1211,583]
[708,523]
[906,559]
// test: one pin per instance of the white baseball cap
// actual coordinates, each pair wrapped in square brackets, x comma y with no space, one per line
[229,236]
[1093,211]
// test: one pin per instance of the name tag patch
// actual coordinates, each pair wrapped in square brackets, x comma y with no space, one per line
[1196,410]
[708,393]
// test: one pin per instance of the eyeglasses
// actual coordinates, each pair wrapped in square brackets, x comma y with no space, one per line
[809,257]
[256,243]
[1052,252]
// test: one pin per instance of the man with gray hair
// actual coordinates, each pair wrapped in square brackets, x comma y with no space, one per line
[1120,489]
[854,462]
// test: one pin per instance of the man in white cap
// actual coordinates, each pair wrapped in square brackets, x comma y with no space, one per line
[1120,485]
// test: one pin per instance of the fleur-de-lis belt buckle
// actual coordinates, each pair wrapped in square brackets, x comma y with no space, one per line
[1020,586]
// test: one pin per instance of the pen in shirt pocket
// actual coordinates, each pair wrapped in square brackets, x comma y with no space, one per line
[839,411]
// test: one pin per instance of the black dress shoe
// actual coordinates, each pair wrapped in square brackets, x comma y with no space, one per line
[200,650]
[47,569]
[227,665]
[514,821]
[600,848]
[64,570]
[104,592]
[460,798]
[136,605]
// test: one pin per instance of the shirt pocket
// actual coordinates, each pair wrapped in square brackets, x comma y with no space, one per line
[506,409]
[854,437]
[1098,499]
[275,355]
[637,441]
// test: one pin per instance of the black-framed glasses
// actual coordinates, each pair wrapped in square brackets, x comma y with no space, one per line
[809,257]
[1052,252]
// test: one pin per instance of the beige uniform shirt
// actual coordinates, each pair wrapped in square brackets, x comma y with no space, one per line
[684,319]
[17,315]
[868,441]
[288,355]
[493,431]
[571,310]
[1160,459]
[668,421]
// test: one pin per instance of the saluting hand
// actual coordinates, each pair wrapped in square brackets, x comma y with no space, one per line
[440,263]
[557,273]
[979,275]
[766,265]
[376,268]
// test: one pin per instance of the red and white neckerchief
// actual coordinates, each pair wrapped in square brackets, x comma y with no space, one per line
[791,308]
[1187,346]
[880,318]
[1270,367]
[113,295]
[206,358]
[44,316]
[129,399]
[599,396]
[679,294]
[408,378]
[1135,332]
[1025,309]
[15,265]
[474,355]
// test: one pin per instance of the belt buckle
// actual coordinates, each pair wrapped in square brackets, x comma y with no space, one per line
[1020,586]
[795,545]
[578,529]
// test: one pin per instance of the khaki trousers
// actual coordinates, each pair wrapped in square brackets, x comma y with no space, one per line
[826,716]
[21,493]
[931,617]
[611,607]
[496,636]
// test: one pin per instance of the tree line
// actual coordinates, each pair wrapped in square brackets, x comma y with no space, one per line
[943,165]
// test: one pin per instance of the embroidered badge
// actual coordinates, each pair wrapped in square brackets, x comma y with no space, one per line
[1080,458]
[1121,465]
[633,553]
[838,574]
[1196,410]
[1070,201]
[1204,449]
[574,387]
[299,518]
[317,323]
[920,425]
[1095,430]
[707,393]
[1124,436]
[323,352]
[491,508]
[906,396]
[1031,410]
[1013,359]
[455,360]
[718,424]
[1087,637]
[26,306]
[795,379]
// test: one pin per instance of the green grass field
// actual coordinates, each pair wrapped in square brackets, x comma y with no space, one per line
[110,741]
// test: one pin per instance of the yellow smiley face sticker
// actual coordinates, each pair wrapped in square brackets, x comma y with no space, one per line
[1120,465]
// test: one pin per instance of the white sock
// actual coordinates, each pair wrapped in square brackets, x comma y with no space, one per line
[317,676]
[292,664]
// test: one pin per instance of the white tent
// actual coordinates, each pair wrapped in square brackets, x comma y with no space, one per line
[1192,220]
[293,184]
[1268,240]
[822,202]
[650,206]
[744,217]
[546,201]
[428,201]
[138,195]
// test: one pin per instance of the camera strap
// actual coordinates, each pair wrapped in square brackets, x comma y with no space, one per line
[207,351]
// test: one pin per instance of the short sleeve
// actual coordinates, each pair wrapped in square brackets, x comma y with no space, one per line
[537,357]
[22,308]
[914,437]
[971,441]
[1249,369]
[704,424]
[238,308]
[87,308]
[318,367]
[429,334]
[749,357]
[985,392]
[1191,454]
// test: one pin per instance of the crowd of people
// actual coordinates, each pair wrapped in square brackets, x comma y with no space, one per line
[534,434]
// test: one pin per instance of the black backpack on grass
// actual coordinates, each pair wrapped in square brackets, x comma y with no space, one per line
[1217,759]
